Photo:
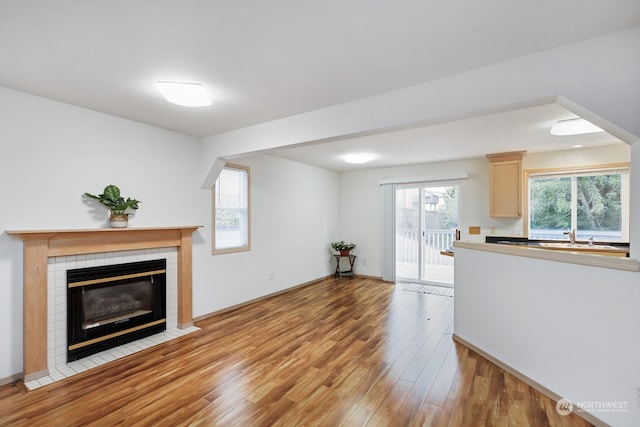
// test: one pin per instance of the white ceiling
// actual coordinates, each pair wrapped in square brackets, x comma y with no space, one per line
[521,129]
[265,60]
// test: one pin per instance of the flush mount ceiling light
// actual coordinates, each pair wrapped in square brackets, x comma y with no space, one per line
[573,127]
[185,94]
[359,158]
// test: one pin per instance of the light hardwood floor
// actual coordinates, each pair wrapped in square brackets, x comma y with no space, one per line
[349,352]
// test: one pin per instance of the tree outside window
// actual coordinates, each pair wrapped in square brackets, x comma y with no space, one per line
[593,203]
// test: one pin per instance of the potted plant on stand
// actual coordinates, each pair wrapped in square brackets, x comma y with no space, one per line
[342,247]
[119,207]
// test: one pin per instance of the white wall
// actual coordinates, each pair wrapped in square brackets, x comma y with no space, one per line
[294,211]
[571,328]
[51,153]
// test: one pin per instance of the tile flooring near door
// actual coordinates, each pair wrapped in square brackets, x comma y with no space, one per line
[358,352]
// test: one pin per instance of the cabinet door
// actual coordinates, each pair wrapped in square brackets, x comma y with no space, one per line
[506,189]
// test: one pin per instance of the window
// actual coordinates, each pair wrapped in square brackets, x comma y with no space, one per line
[594,202]
[231,210]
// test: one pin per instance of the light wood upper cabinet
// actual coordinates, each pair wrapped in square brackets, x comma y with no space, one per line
[505,191]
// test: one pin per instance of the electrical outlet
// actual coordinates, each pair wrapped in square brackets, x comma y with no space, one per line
[270,276]
[364,262]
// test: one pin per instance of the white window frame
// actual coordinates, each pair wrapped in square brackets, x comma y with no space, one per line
[245,219]
[622,168]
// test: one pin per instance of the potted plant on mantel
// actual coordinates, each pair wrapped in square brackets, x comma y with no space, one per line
[119,207]
[342,247]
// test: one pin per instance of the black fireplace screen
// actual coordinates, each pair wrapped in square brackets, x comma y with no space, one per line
[111,305]
[116,303]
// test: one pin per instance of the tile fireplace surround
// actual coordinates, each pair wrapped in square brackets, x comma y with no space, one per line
[44,247]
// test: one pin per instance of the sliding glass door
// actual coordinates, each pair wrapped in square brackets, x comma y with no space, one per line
[426,221]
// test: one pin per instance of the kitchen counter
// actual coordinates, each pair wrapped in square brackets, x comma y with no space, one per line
[609,249]
[582,257]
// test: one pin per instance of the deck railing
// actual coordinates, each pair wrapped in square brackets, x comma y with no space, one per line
[433,241]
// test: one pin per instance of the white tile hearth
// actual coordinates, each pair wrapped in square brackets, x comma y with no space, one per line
[70,369]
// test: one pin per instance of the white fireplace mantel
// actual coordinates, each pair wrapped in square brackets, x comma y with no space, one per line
[39,245]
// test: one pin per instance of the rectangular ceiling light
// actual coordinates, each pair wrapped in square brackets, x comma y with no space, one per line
[185,94]
[359,158]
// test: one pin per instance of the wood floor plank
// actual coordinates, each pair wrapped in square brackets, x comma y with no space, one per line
[385,415]
[414,404]
[358,417]
[456,405]
[339,352]
[438,394]
[304,409]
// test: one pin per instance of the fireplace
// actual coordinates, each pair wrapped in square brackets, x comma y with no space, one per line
[44,328]
[111,305]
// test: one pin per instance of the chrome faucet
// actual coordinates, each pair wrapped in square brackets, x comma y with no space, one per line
[572,236]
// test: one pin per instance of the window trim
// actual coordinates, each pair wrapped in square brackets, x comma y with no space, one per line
[573,170]
[214,250]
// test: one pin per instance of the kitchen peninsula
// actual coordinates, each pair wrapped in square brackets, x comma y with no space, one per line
[532,311]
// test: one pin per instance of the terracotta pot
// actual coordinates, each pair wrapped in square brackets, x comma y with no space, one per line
[119,221]
[344,252]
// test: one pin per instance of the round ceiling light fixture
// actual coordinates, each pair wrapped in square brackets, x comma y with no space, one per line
[575,126]
[184,93]
[359,158]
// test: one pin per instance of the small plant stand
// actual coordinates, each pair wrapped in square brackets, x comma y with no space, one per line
[339,272]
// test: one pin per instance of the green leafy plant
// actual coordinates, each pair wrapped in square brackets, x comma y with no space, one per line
[342,246]
[112,199]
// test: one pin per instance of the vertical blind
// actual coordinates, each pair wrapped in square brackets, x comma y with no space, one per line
[388,198]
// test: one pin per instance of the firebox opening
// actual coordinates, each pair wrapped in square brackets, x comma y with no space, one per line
[112,305]
[116,304]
